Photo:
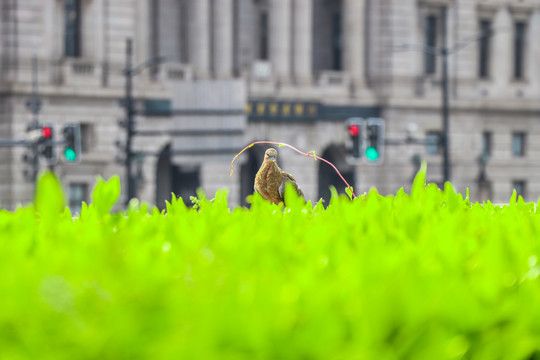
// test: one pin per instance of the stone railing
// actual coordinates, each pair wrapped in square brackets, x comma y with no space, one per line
[333,78]
[176,72]
[76,72]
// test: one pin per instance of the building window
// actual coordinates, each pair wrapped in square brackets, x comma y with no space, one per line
[519,50]
[263,35]
[72,31]
[430,35]
[186,180]
[518,144]
[337,42]
[520,187]
[486,143]
[87,137]
[184,32]
[78,192]
[484,47]
[433,142]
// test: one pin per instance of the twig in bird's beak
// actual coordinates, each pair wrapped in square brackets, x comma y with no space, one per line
[309,154]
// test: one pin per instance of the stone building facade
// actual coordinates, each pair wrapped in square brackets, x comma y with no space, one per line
[290,71]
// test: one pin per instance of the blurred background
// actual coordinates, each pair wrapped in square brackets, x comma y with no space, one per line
[166,92]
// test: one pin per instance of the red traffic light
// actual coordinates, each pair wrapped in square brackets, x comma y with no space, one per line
[354,130]
[46,131]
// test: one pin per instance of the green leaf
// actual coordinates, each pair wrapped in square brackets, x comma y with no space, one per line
[349,191]
[49,200]
[334,195]
[220,200]
[256,201]
[195,201]
[292,200]
[66,215]
[319,207]
[513,198]
[452,199]
[419,183]
[176,205]
[105,194]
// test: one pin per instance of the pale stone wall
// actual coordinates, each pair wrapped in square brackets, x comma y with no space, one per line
[374,73]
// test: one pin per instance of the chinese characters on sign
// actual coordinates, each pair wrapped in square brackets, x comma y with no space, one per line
[282,110]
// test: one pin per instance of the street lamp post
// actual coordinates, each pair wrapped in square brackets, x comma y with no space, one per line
[129,104]
[444,52]
[445,101]
[130,112]
[34,105]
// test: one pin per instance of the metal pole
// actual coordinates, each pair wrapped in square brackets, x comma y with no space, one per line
[129,119]
[35,106]
[445,101]
[35,94]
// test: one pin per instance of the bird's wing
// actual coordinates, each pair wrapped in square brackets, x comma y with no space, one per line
[288,178]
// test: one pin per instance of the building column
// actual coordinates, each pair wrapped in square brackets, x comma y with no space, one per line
[533,58]
[303,41]
[99,37]
[353,34]
[223,38]
[502,42]
[52,50]
[280,38]
[199,37]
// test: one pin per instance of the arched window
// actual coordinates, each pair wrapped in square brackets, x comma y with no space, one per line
[327,175]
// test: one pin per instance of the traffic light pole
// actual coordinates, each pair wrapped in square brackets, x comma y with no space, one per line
[445,101]
[129,103]
[34,105]
[130,112]
[11,143]
[29,144]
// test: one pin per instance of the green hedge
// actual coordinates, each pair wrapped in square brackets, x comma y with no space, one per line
[428,275]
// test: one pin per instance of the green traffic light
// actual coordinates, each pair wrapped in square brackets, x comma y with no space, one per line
[70,154]
[372,154]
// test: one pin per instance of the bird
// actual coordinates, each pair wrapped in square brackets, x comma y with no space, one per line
[271,181]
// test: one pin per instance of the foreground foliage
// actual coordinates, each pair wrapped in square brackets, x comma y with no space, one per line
[422,276]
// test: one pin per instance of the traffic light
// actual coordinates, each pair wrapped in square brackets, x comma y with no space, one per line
[374,140]
[355,129]
[46,144]
[28,159]
[72,142]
